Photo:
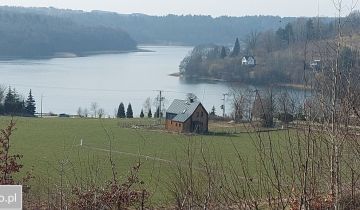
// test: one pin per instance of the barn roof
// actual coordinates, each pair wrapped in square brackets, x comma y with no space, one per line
[181,117]
[183,109]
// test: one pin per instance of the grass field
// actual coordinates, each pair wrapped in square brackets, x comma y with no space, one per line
[53,145]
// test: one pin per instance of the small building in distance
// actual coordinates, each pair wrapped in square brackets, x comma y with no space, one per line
[248,61]
[315,64]
[187,116]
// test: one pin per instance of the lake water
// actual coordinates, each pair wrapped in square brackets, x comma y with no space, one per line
[69,83]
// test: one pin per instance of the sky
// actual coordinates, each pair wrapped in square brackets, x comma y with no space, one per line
[214,8]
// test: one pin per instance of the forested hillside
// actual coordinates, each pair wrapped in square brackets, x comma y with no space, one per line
[281,55]
[170,29]
[41,35]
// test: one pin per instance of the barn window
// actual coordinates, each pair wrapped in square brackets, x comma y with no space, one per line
[171,122]
[176,125]
[180,125]
[202,114]
[197,114]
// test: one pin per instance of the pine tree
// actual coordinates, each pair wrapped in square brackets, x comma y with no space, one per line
[223,53]
[30,107]
[213,111]
[2,111]
[149,113]
[13,105]
[236,50]
[121,111]
[10,102]
[129,112]
[142,114]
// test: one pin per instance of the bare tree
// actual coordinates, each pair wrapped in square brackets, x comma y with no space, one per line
[264,107]
[251,42]
[269,41]
[86,112]
[101,112]
[79,112]
[147,104]
[285,107]
[337,85]
[94,108]
[242,103]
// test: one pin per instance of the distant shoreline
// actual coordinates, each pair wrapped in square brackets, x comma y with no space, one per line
[71,55]
[294,86]
[284,85]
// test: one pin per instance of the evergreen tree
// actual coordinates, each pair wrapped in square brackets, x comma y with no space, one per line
[10,102]
[223,52]
[2,109]
[149,113]
[121,111]
[129,112]
[13,105]
[142,114]
[30,107]
[213,111]
[236,50]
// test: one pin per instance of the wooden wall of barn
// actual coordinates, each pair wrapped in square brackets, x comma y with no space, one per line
[200,115]
[174,126]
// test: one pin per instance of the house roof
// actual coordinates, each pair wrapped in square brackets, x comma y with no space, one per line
[183,109]
[247,57]
[181,117]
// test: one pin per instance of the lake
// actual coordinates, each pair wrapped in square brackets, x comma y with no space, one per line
[69,83]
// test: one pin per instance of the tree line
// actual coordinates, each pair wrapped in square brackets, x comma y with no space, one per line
[129,112]
[169,29]
[120,112]
[14,104]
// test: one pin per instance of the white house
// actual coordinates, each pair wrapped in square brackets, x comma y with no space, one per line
[315,64]
[248,61]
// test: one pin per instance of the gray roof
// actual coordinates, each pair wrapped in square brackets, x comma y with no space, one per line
[181,117]
[183,108]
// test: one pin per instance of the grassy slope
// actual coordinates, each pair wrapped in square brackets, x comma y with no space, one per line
[45,142]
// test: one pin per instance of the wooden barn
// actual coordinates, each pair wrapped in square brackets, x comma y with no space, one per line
[187,117]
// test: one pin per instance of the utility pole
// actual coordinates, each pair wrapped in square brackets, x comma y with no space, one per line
[160,98]
[223,106]
[41,106]
[160,105]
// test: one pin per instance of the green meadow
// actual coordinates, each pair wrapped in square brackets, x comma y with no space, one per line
[51,147]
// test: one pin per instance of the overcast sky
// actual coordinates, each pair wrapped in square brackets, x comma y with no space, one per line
[204,7]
